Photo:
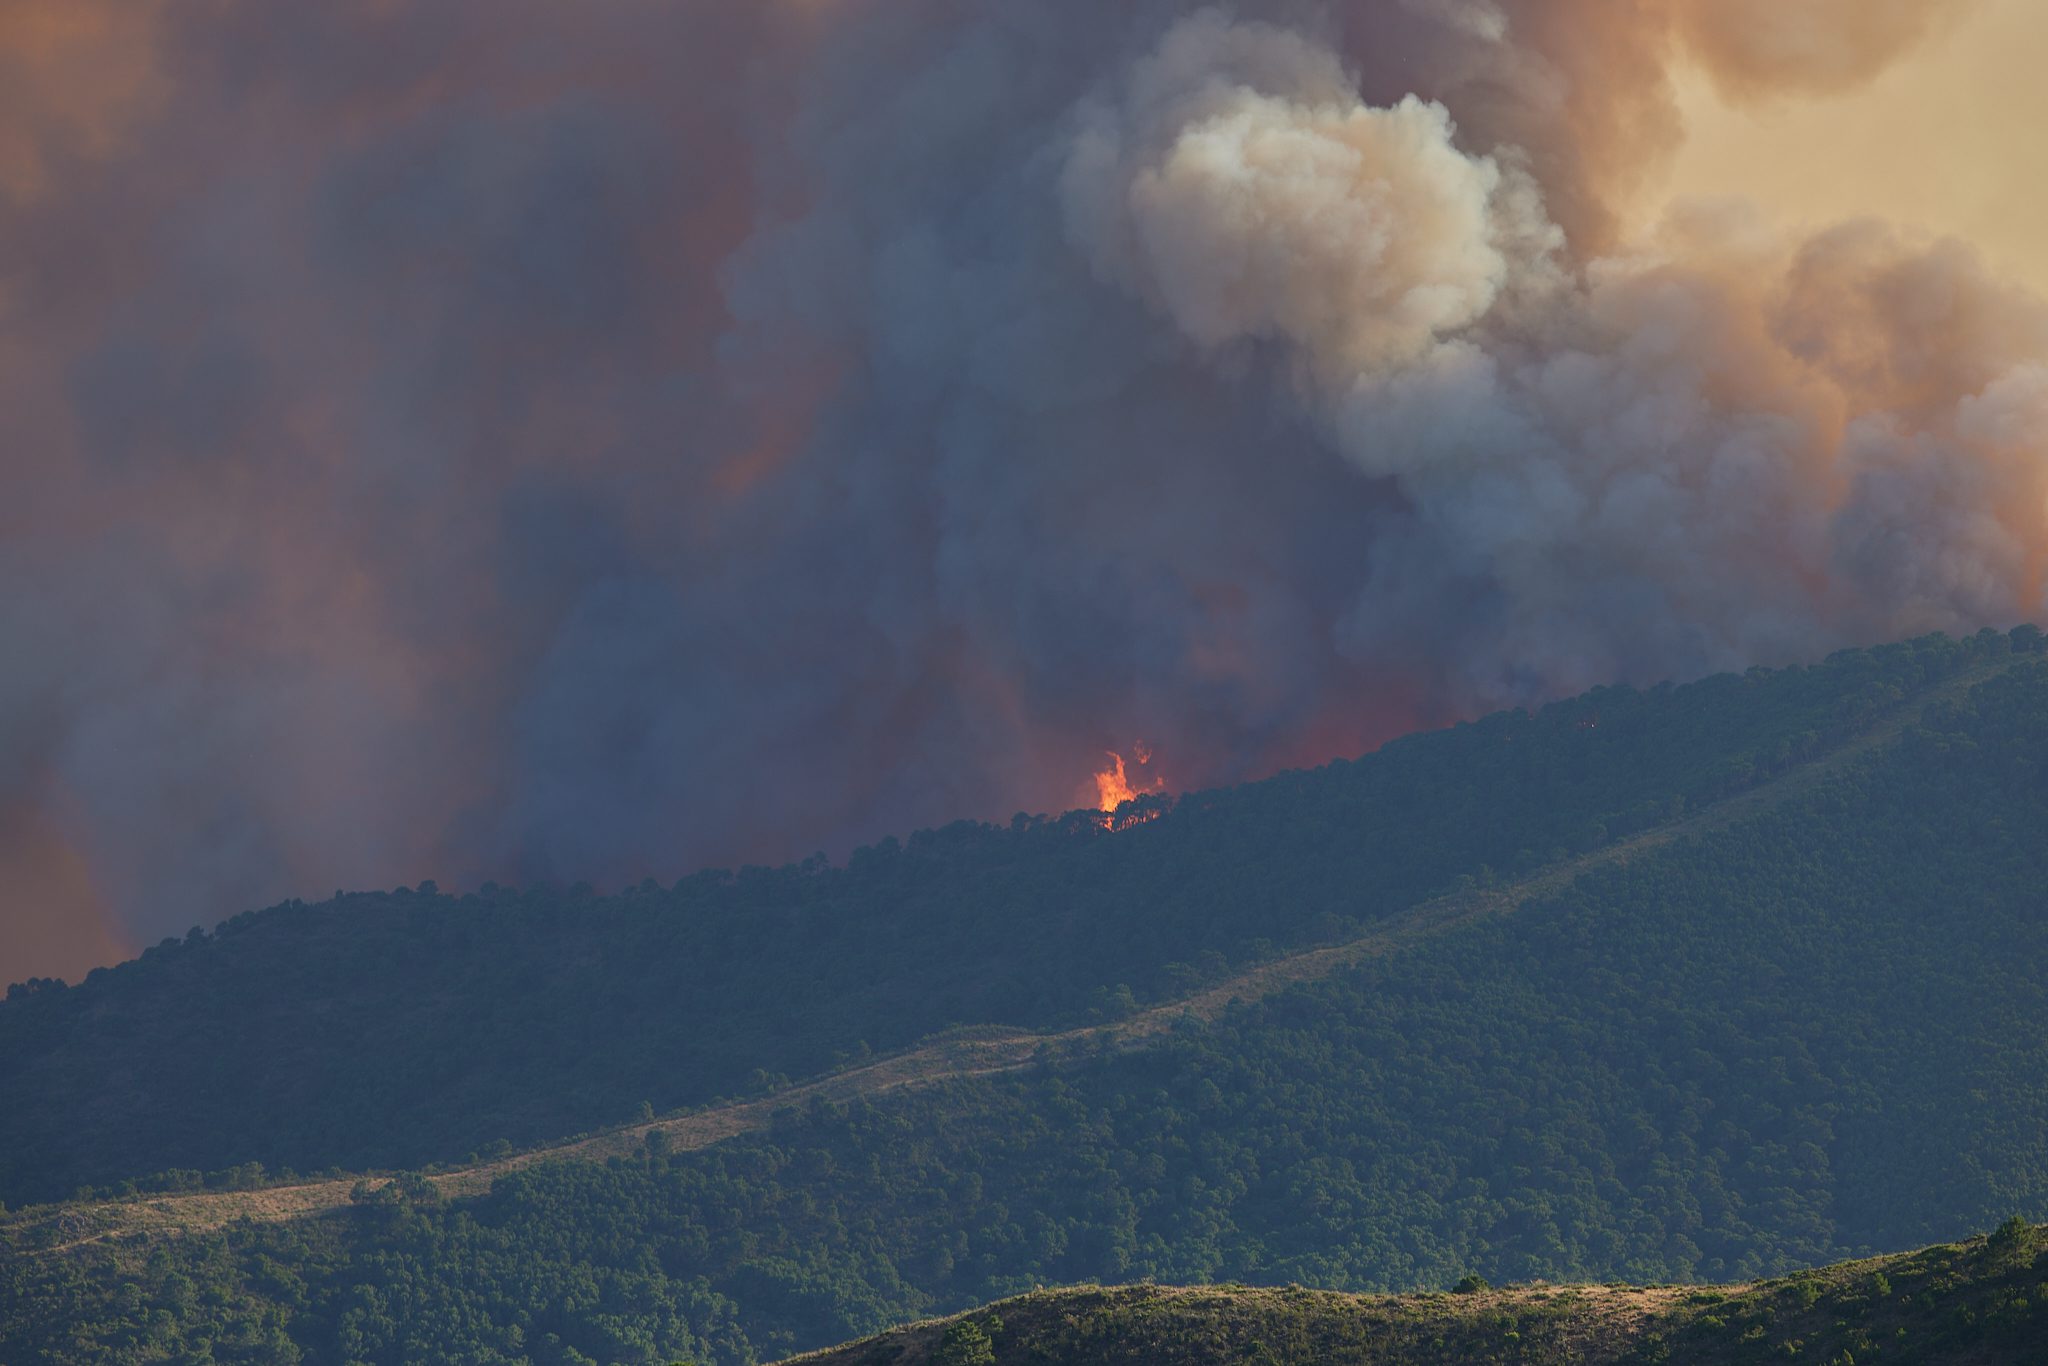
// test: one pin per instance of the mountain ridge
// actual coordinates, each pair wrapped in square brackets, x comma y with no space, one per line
[1975,1302]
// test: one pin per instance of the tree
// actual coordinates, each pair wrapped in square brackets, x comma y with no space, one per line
[968,1343]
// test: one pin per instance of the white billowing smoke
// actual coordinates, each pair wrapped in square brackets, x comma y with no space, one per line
[1243,187]
[1673,455]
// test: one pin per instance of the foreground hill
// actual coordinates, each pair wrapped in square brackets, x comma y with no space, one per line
[407,1028]
[1800,1021]
[1985,1301]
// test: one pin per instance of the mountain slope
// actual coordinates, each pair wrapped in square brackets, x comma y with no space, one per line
[967,1054]
[402,1029]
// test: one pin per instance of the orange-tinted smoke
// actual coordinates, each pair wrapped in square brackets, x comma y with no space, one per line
[53,921]
[72,78]
[293,616]
[1763,49]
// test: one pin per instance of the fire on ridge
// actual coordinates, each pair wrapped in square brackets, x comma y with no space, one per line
[1122,783]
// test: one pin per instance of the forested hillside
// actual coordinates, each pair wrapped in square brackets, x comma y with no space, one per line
[410,1027]
[1816,1032]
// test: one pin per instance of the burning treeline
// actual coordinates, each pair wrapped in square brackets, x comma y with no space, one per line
[598,442]
[1118,785]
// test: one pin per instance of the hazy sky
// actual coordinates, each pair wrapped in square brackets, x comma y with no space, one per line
[1952,139]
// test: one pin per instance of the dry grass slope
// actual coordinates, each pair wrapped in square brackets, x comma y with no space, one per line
[1983,1302]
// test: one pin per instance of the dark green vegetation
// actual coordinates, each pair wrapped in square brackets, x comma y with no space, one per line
[1820,1032]
[1984,1302]
[405,1028]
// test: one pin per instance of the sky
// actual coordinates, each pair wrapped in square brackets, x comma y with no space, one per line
[1963,115]
[591,443]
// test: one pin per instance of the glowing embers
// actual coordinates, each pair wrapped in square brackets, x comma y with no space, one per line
[1120,784]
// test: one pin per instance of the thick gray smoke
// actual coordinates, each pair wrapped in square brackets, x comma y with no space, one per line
[596,444]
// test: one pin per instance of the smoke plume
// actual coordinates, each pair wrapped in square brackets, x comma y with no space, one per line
[591,443]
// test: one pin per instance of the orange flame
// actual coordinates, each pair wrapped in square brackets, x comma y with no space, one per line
[1114,785]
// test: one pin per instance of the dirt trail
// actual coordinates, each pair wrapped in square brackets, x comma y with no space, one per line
[987,1051]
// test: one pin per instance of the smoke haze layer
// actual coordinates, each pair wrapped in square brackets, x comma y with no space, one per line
[595,443]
